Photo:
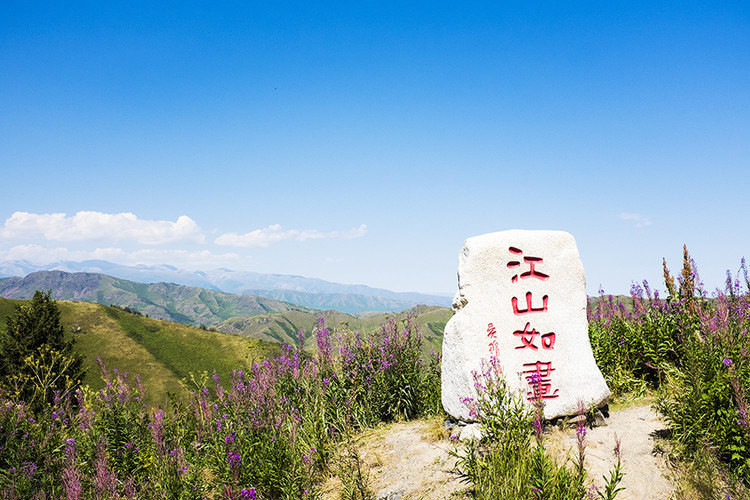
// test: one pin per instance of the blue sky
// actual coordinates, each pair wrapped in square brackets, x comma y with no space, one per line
[362,142]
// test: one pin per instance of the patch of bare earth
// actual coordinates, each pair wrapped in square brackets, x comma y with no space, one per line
[407,460]
[411,460]
[646,473]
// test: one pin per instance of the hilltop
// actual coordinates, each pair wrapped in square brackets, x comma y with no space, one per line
[164,353]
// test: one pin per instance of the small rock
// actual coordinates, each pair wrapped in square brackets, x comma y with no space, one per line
[470,432]
[599,420]
[449,424]
[390,495]
[577,420]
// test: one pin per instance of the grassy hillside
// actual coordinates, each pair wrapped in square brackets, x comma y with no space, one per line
[283,327]
[350,303]
[162,352]
[183,304]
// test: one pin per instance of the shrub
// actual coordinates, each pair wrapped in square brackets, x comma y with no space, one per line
[634,347]
[693,352]
[705,399]
[38,363]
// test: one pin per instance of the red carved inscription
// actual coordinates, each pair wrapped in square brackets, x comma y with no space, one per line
[528,336]
[529,307]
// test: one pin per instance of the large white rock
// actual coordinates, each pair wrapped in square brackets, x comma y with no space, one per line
[522,299]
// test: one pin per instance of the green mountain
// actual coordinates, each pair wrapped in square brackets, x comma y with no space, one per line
[284,327]
[350,303]
[183,304]
[164,353]
[310,292]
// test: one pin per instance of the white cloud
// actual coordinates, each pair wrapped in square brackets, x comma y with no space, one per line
[40,255]
[88,225]
[638,219]
[274,233]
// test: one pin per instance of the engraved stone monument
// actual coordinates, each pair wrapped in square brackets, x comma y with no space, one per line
[522,300]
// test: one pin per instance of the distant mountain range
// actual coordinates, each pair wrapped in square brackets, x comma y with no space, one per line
[245,315]
[178,303]
[309,292]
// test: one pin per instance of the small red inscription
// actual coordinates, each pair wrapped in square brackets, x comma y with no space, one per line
[491,331]
[494,347]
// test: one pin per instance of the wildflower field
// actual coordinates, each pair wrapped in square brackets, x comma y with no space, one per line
[278,428]
[271,431]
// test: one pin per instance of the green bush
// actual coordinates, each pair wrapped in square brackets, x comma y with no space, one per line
[38,364]
[693,352]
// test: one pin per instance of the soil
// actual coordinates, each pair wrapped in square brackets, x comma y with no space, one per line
[646,473]
[407,460]
[411,460]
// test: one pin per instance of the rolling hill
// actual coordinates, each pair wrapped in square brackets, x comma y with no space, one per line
[164,353]
[283,327]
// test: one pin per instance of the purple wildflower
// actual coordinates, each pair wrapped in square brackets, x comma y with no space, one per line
[234,459]
[248,494]
[31,468]
[71,478]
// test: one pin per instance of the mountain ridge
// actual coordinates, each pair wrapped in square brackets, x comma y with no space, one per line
[166,301]
[311,292]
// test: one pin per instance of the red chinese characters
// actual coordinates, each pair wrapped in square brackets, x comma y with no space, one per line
[492,334]
[529,307]
[528,338]
[531,261]
[538,373]
[538,377]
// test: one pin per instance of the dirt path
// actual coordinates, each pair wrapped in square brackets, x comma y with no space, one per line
[411,460]
[646,474]
[408,460]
